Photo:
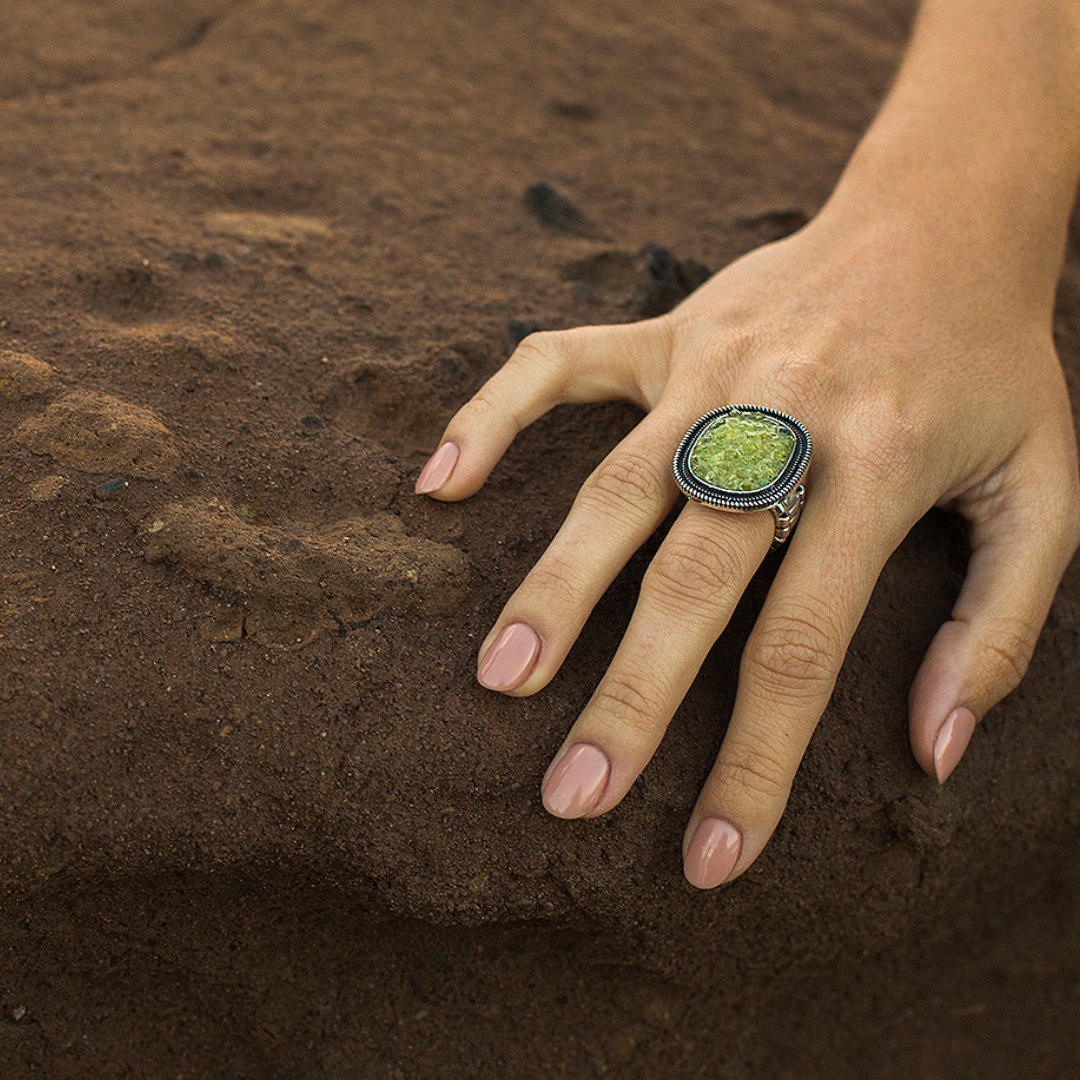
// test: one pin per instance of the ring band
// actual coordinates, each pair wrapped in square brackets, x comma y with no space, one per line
[746,458]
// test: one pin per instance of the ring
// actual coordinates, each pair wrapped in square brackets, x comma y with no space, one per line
[745,458]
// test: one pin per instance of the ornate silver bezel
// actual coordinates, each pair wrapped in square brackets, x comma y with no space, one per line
[766,498]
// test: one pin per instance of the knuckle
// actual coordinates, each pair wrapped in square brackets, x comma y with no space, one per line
[488,407]
[632,700]
[557,582]
[485,401]
[1006,650]
[795,653]
[754,780]
[548,349]
[690,567]
[881,446]
[625,480]
[800,378]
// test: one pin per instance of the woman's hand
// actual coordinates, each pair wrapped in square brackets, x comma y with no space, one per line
[920,384]
[909,329]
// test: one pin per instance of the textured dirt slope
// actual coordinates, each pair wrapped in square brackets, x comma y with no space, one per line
[256,817]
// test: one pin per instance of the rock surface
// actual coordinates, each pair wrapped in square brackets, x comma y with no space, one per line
[257,818]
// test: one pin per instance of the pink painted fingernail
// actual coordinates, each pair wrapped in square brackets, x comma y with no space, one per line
[952,740]
[509,661]
[712,853]
[577,782]
[438,469]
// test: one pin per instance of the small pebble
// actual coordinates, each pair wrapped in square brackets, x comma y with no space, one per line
[183,258]
[111,488]
[557,212]
[573,110]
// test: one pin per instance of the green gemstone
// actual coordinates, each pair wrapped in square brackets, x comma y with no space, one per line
[742,451]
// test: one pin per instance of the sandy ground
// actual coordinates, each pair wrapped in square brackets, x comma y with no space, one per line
[256,817]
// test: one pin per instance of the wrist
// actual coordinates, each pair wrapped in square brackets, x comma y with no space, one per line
[963,216]
[986,167]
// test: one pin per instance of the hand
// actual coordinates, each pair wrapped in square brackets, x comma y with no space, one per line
[924,380]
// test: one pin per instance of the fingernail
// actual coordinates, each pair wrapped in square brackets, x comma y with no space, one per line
[507,664]
[577,782]
[438,469]
[952,740]
[712,853]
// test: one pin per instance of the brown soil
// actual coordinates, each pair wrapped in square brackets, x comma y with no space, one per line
[257,818]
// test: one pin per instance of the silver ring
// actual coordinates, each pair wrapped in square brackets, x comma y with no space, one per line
[746,458]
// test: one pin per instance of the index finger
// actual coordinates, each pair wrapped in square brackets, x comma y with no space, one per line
[548,368]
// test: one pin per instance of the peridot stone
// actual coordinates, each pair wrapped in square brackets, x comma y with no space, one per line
[741,451]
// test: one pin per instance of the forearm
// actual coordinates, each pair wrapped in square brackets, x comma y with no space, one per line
[979,138]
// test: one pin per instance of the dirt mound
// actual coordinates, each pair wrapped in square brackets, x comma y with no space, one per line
[23,376]
[99,433]
[337,576]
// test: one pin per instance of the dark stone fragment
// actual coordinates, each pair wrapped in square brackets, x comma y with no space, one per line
[558,212]
[517,331]
[188,260]
[192,384]
[111,488]
[354,303]
[573,110]
[773,224]
[666,281]
[185,259]
[312,425]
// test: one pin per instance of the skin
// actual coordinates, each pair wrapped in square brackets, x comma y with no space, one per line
[908,326]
